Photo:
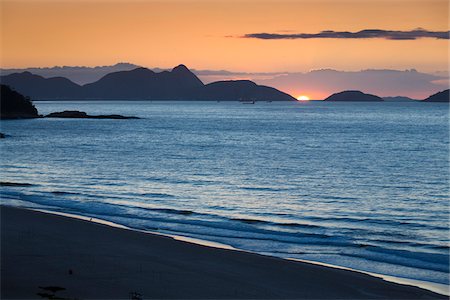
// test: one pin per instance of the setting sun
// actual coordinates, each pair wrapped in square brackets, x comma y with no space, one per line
[303,98]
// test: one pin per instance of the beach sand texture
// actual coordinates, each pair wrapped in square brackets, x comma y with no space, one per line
[94,261]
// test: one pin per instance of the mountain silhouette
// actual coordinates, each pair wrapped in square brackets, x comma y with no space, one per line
[142,84]
[14,105]
[38,87]
[77,74]
[443,96]
[353,96]
[242,90]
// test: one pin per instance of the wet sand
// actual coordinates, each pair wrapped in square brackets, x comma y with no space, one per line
[42,252]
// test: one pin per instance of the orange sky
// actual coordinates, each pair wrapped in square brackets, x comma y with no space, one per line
[166,33]
[197,33]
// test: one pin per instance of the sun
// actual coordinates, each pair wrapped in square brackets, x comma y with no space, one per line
[302,98]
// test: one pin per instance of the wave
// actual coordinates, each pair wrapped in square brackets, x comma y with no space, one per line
[428,261]
[246,230]
[281,224]
[172,211]
[65,193]
[413,244]
[376,221]
[17,184]
[267,189]
[337,197]
[106,210]
[164,210]
[158,195]
[247,221]
[250,221]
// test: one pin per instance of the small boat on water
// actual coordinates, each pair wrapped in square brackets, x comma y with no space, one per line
[247,101]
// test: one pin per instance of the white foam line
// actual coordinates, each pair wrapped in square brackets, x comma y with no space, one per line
[431,286]
[112,224]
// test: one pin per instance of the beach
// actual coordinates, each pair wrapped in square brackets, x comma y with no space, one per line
[42,252]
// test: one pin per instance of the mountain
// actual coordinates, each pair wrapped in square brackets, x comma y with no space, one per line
[316,83]
[398,99]
[14,105]
[38,87]
[443,96]
[79,75]
[242,90]
[353,96]
[142,84]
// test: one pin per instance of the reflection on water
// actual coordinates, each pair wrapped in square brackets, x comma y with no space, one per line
[357,185]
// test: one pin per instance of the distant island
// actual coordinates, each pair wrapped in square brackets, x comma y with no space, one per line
[353,96]
[142,84]
[399,99]
[443,96]
[15,106]
[358,96]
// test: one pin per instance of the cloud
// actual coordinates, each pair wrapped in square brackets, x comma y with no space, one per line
[319,84]
[363,34]
[322,83]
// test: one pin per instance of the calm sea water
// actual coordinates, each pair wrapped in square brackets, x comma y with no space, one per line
[360,185]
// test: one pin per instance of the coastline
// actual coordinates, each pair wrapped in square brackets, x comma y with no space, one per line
[430,286]
[94,260]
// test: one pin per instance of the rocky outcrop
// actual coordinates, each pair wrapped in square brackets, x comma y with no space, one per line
[14,105]
[82,115]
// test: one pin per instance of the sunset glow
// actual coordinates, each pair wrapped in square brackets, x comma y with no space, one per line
[149,33]
[303,98]
[295,130]
[320,53]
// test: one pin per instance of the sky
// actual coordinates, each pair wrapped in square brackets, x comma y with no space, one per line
[242,36]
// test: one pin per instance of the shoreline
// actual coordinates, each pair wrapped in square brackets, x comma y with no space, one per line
[38,248]
[430,286]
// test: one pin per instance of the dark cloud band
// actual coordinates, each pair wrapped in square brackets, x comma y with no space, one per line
[363,34]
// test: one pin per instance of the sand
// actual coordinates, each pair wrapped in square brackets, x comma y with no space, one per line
[93,261]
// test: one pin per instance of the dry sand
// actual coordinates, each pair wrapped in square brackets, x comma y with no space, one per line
[93,261]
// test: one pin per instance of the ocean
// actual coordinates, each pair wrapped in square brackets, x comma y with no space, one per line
[359,185]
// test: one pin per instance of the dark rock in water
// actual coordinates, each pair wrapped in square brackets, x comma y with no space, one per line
[68,114]
[15,106]
[2,135]
[353,96]
[443,96]
[82,115]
